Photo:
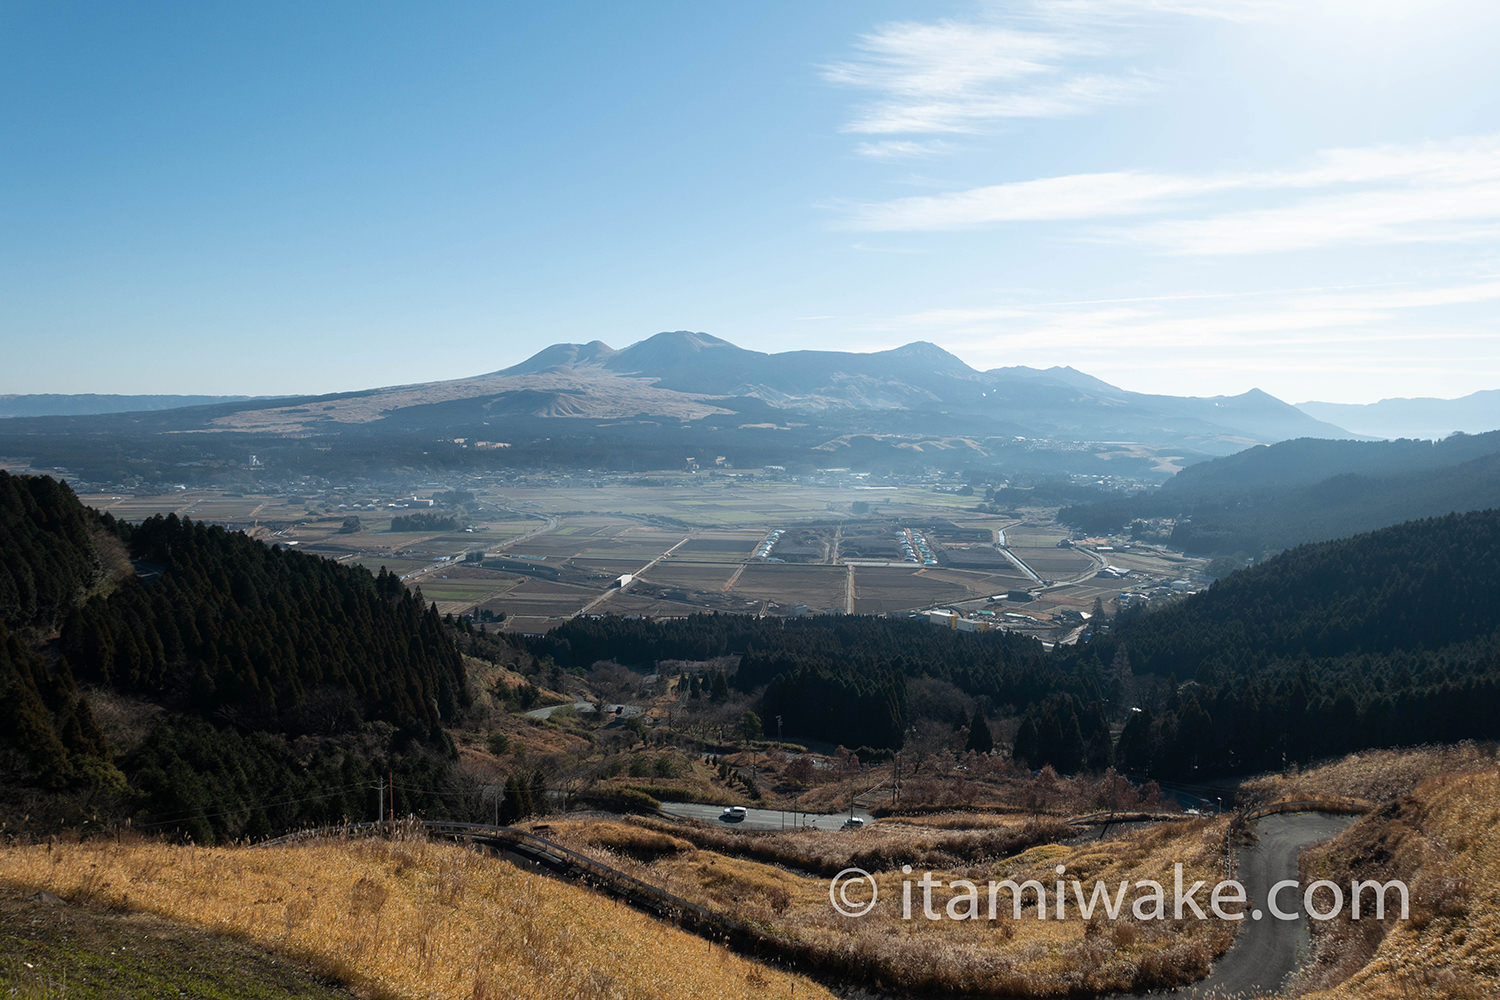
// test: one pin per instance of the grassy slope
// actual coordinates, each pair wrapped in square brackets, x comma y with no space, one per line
[1026,957]
[1444,840]
[404,919]
[52,949]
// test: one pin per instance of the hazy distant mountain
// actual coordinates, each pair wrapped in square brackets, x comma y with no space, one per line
[923,378]
[1423,417]
[680,395]
[50,404]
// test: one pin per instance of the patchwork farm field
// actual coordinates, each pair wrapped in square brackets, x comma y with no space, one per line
[550,552]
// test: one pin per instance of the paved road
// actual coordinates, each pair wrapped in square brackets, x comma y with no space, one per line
[586,708]
[762,819]
[1268,951]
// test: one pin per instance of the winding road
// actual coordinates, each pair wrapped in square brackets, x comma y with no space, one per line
[1266,952]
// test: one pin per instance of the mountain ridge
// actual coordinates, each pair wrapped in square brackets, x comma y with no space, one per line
[1414,417]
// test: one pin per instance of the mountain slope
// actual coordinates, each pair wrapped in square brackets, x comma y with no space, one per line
[1270,498]
[1388,638]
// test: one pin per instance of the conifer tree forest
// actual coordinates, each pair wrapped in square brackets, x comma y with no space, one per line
[256,675]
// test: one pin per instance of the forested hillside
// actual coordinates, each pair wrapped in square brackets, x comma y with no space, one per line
[259,688]
[1384,639]
[839,679]
[1269,498]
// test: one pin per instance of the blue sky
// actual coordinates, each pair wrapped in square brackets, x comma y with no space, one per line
[1175,195]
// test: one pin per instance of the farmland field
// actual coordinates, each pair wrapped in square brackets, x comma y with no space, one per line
[878,589]
[552,550]
[690,576]
[1158,563]
[819,587]
[1029,535]
[1054,563]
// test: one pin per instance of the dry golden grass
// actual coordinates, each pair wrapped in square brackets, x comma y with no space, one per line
[887,844]
[406,919]
[1373,775]
[1025,957]
[1444,841]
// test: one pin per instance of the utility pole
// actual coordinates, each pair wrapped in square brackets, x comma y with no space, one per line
[380,801]
[391,776]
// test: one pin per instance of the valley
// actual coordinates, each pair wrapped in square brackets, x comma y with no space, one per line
[531,554]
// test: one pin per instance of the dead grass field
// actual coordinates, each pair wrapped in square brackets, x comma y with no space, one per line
[1443,839]
[721,547]
[405,919]
[1023,956]
[1159,564]
[1374,775]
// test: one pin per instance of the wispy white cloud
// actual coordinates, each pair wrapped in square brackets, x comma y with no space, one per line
[953,77]
[1462,213]
[1255,321]
[1077,196]
[1428,192]
[902,149]
[1042,59]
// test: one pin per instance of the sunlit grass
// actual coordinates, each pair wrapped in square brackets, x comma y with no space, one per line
[1008,956]
[406,919]
[1444,840]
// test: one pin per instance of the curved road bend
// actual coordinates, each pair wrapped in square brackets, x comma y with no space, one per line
[1267,952]
[762,820]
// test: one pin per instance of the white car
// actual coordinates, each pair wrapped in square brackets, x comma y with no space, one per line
[733,814]
[854,823]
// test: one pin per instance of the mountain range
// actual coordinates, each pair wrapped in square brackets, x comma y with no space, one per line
[687,376]
[680,394]
[1422,417]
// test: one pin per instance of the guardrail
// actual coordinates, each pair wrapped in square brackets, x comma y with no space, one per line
[1127,816]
